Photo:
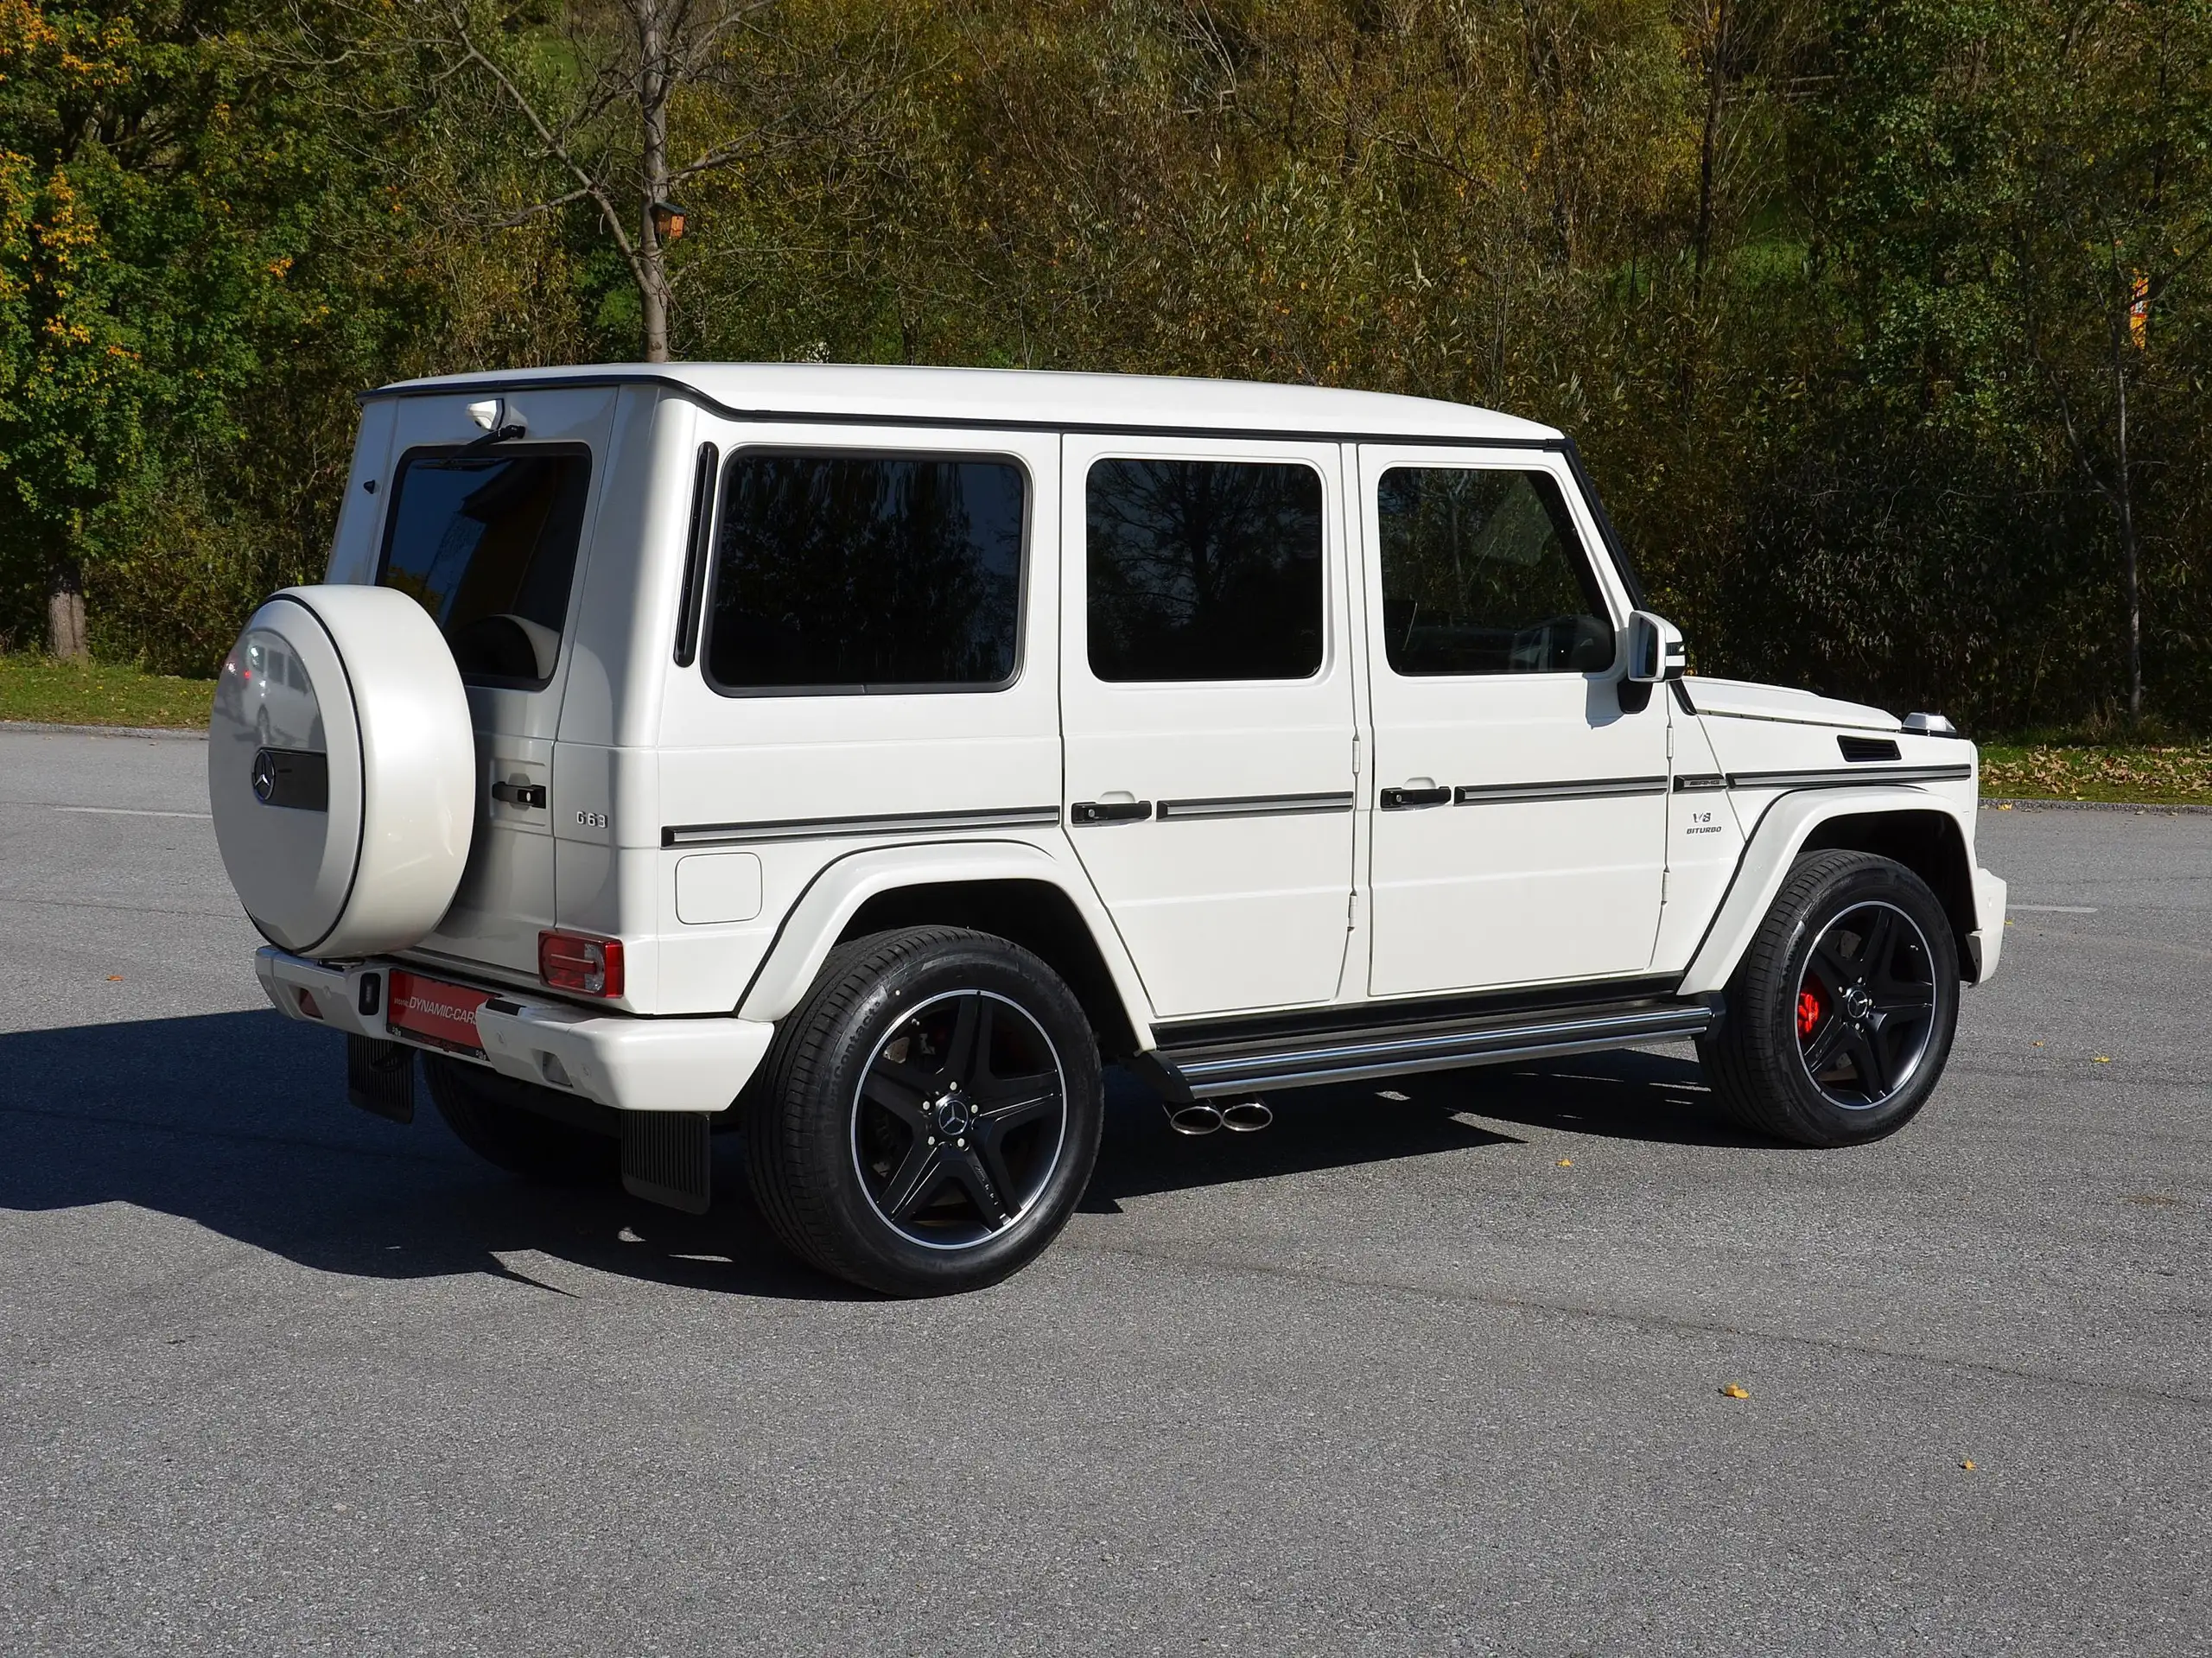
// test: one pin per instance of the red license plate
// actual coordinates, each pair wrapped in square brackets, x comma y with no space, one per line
[435,1011]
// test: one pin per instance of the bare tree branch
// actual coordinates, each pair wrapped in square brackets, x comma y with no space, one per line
[510,221]
[555,147]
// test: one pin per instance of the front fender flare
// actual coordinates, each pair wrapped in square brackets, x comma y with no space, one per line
[812,928]
[1774,842]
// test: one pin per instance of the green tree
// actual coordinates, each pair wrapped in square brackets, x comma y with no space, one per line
[126,277]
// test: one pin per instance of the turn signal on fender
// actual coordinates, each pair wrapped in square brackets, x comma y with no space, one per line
[590,966]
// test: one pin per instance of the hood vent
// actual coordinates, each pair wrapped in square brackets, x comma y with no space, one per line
[1867,748]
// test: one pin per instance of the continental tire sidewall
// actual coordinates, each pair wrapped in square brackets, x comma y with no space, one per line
[1762,1007]
[800,1128]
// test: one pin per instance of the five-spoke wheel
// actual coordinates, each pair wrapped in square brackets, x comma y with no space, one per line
[1838,1018]
[1865,1005]
[929,1116]
[959,1119]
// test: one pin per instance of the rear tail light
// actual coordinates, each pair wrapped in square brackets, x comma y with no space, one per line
[589,967]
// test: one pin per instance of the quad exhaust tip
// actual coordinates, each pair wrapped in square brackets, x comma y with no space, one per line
[1245,1117]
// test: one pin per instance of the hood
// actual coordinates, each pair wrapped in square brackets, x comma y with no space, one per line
[1743,699]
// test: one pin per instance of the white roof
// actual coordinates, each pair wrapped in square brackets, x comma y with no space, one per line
[1029,396]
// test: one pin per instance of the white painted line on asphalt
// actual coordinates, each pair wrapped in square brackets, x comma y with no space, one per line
[2056,909]
[141,811]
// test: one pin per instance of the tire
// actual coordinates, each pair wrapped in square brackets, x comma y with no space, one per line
[487,1113]
[929,1116]
[343,792]
[1841,1015]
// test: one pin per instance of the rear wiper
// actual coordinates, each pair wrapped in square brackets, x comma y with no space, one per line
[491,415]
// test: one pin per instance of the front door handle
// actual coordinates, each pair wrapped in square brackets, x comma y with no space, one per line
[1110,811]
[1400,799]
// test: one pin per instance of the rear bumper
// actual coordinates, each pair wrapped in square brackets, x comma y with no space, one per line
[620,1060]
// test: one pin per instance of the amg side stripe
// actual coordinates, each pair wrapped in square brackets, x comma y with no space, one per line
[1484,794]
[1832,778]
[835,828]
[1256,806]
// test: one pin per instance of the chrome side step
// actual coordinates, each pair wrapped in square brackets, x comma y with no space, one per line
[1201,1072]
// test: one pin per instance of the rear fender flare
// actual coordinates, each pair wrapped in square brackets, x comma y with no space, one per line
[1776,839]
[815,923]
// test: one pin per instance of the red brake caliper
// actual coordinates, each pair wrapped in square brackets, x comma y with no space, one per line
[1809,1009]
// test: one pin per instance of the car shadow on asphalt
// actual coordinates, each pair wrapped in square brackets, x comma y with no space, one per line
[1657,1097]
[1314,1129]
[239,1123]
[1629,1094]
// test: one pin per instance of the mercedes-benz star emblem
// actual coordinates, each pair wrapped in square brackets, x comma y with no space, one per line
[265,776]
[953,1115]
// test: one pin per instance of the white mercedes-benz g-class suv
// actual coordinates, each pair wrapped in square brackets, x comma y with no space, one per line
[864,756]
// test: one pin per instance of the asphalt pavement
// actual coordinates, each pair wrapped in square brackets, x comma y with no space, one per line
[1431,1367]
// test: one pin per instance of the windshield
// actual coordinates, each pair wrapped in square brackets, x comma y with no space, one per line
[487,544]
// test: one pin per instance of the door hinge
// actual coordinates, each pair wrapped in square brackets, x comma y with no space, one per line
[1351,912]
[1670,740]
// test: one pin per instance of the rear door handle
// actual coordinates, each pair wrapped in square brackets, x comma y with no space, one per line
[520,794]
[1110,811]
[1400,799]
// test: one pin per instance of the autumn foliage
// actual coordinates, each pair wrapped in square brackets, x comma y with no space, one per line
[1883,323]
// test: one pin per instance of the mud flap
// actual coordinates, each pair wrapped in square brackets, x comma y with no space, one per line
[668,1158]
[380,1077]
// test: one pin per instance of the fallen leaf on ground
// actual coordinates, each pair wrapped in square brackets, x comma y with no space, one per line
[1567,1162]
[1968,1466]
[115,978]
[1732,1391]
[2102,1060]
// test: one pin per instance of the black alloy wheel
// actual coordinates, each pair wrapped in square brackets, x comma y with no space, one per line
[959,1119]
[1865,1005]
[929,1115]
[1839,1019]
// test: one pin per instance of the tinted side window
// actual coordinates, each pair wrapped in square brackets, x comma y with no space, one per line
[1483,574]
[1204,569]
[866,572]
[488,543]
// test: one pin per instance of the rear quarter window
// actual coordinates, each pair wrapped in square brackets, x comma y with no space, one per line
[486,542]
[866,573]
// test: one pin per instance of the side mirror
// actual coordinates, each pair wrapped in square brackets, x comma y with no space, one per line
[1656,650]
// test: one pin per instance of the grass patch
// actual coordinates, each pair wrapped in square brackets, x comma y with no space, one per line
[2173,773]
[34,687]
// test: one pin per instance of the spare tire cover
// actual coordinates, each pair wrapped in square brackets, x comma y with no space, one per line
[341,770]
